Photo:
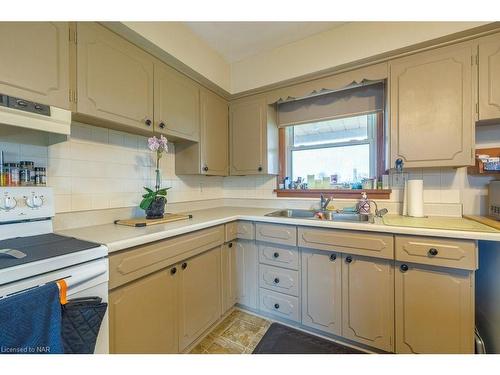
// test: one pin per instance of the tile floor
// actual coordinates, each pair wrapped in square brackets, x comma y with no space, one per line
[239,333]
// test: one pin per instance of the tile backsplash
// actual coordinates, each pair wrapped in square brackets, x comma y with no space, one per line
[99,168]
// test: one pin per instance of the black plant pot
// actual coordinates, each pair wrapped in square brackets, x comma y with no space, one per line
[156,209]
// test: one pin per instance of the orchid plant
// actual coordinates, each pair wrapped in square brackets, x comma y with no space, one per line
[158,145]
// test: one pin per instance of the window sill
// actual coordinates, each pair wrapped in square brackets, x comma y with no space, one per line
[336,193]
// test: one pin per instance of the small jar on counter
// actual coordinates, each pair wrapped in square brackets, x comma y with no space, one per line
[11,171]
[26,173]
[40,176]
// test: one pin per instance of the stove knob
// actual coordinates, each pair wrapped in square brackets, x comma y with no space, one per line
[8,203]
[34,201]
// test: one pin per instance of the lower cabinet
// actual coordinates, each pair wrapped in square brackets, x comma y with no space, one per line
[143,315]
[199,299]
[322,290]
[229,276]
[368,301]
[434,309]
[247,273]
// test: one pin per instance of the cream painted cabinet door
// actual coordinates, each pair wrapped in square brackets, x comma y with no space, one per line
[177,104]
[432,107]
[322,290]
[229,276]
[214,134]
[434,310]
[114,78]
[247,126]
[143,315]
[368,301]
[247,273]
[199,295]
[489,77]
[35,61]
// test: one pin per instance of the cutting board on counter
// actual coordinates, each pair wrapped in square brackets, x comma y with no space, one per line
[143,222]
[486,220]
[437,222]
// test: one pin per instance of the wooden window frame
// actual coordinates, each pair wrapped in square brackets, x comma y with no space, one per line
[336,193]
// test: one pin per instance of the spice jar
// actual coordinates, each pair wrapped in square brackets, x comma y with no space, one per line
[14,174]
[26,172]
[40,176]
[5,175]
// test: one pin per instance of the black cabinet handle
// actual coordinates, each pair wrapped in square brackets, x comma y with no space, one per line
[333,257]
[173,271]
[205,168]
[276,306]
[348,259]
[147,122]
[230,244]
[276,280]
[184,265]
[433,252]
[403,268]
[276,255]
[162,125]
[259,169]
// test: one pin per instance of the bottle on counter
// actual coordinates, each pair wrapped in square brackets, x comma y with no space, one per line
[26,173]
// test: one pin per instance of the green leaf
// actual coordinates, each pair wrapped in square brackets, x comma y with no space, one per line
[148,189]
[146,202]
[162,191]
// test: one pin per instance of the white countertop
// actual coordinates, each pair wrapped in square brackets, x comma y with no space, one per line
[118,237]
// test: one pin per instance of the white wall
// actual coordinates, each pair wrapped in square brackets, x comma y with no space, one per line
[179,41]
[341,45]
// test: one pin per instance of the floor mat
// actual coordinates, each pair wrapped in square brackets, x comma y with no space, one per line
[280,339]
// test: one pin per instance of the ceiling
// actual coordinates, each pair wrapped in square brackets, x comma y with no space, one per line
[238,40]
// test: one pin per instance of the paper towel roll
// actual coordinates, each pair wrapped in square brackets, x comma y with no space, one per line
[416,198]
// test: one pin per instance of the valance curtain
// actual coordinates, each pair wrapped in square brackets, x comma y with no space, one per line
[347,102]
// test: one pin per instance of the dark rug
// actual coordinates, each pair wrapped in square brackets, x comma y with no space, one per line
[280,339]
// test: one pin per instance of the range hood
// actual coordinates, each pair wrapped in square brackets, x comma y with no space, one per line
[30,115]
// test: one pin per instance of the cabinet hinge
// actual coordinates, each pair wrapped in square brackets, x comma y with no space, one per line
[477,107]
[72,96]
[73,36]
[477,59]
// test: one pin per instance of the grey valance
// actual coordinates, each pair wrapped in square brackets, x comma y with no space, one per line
[348,102]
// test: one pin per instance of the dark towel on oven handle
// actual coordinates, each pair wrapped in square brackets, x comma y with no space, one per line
[81,321]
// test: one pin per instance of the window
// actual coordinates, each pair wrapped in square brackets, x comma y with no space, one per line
[341,151]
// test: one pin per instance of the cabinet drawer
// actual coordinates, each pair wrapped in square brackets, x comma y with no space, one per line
[279,280]
[437,251]
[279,304]
[240,229]
[276,233]
[129,265]
[359,243]
[282,256]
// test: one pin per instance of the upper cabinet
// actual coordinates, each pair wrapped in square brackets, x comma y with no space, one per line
[209,156]
[35,61]
[489,77]
[177,104]
[432,107]
[253,137]
[114,79]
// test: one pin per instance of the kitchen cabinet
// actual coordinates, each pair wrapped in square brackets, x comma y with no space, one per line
[176,104]
[209,156]
[489,77]
[322,290]
[432,100]
[143,315]
[229,278]
[247,273]
[35,61]
[199,297]
[434,309]
[115,80]
[253,137]
[368,301]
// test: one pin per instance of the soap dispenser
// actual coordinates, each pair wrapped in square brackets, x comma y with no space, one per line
[364,204]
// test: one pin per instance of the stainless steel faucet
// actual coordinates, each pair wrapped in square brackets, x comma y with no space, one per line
[323,203]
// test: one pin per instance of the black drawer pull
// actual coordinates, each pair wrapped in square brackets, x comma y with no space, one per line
[148,122]
[433,252]
[333,257]
[230,244]
[173,271]
[276,280]
[348,259]
[276,306]
[162,125]
[184,265]
[276,255]
[403,268]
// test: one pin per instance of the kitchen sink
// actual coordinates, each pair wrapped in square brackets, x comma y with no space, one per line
[321,215]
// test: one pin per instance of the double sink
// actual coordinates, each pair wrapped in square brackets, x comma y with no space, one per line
[322,215]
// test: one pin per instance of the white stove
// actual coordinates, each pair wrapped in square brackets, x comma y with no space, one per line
[32,255]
